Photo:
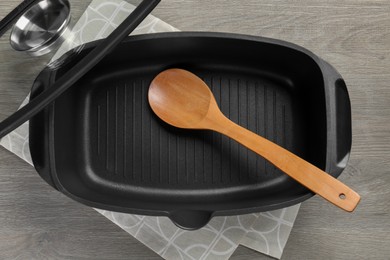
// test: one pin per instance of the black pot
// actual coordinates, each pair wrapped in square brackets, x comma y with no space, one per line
[100,144]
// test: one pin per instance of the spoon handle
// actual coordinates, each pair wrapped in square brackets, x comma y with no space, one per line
[302,171]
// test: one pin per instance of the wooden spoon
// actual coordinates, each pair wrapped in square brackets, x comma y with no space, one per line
[183,100]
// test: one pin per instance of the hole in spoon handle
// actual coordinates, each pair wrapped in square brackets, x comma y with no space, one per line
[339,194]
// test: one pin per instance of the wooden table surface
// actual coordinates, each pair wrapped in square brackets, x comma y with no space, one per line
[37,222]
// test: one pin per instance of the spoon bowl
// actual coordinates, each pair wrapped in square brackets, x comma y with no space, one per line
[188,106]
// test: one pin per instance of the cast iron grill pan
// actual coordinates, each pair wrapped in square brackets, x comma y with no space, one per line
[101,144]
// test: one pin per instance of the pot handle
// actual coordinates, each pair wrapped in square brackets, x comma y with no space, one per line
[339,125]
[190,219]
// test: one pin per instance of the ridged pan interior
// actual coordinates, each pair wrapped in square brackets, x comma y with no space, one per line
[112,150]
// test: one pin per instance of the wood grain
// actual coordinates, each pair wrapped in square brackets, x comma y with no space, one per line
[353,35]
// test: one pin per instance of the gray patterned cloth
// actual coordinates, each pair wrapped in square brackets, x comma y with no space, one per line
[265,232]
